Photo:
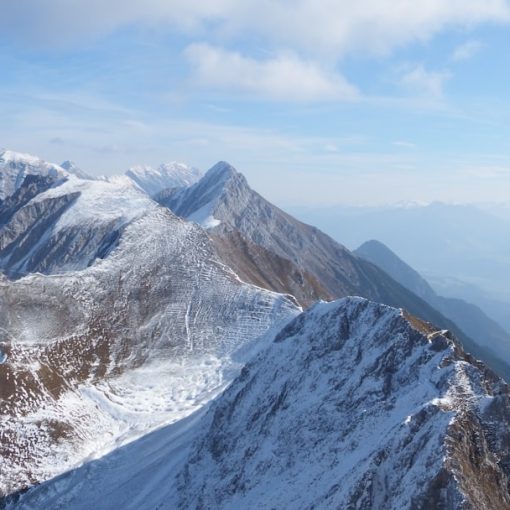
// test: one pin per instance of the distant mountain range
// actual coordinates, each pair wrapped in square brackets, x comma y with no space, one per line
[471,320]
[130,303]
[461,249]
[267,247]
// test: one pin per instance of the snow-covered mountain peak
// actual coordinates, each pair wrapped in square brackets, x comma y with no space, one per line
[8,156]
[221,187]
[15,166]
[200,202]
[53,227]
[167,175]
[221,170]
[99,202]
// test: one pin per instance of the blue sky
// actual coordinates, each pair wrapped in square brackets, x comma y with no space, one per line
[318,102]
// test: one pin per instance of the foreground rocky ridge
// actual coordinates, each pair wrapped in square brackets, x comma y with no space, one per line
[468,317]
[355,405]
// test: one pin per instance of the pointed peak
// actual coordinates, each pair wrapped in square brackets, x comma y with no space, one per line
[68,164]
[221,175]
[222,170]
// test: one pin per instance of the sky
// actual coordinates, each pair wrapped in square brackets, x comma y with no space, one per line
[317,102]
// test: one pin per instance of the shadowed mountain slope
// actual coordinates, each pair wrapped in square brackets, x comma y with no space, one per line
[468,317]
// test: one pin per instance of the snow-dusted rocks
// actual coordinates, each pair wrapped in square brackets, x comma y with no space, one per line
[355,405]
[142,318]
[15,166]
[166,176]
[67,226]
[201,201]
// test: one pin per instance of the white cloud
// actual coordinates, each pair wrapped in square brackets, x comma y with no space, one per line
[331,27]
[466,51]
[421,81]
[284,77]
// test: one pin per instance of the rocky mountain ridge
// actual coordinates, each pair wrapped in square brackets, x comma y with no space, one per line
[352,405]
[103,349]
[355,405]
[470,319]
[262,243]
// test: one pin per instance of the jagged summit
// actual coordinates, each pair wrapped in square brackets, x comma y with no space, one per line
[167,175]
[355,405]
[202,202]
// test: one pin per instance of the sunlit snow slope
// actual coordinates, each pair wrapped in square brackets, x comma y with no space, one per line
[113,343]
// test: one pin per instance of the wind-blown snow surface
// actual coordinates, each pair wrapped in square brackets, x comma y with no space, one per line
[141,338]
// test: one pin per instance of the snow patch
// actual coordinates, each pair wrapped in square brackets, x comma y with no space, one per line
[204,216]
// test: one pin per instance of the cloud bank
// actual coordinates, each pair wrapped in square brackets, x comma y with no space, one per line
[327,27]
[283,78]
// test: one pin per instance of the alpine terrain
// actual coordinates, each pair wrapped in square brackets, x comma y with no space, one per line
[129,306]
[289,256]
[470,319]
[353,405]
[131,326]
